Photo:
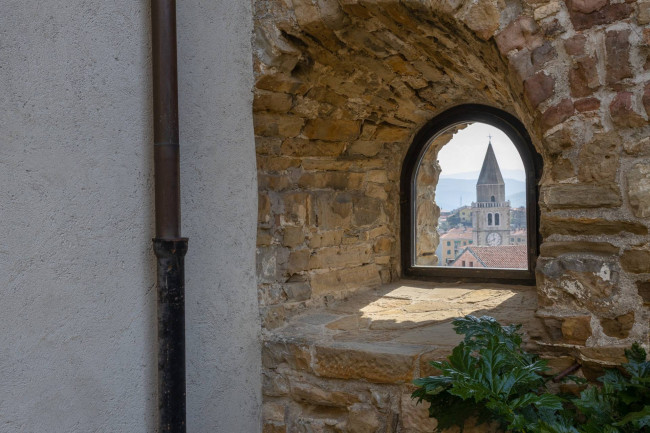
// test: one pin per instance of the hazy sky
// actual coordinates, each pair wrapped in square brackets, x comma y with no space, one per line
[466,151]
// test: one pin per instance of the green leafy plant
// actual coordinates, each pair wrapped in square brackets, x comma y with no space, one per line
[489,377]
[622,403]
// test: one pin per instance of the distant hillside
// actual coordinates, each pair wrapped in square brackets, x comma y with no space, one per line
[450,190]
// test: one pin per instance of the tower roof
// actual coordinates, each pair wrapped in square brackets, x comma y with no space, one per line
[490,172]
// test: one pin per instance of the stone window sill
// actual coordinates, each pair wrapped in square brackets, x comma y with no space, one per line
[389,334]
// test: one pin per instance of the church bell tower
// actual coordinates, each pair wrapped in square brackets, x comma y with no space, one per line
[491,211]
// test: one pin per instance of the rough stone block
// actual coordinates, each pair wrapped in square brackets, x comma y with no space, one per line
[274,427]
[297,208]
[561,169]
[637,147]
[292,236]
[589,227]
[363,418]
[298,261]
[297,291]
[638,189]
[577,283]
[521,33]
[274,384]
[333,211]
[378,363]
[415,417]
[587,104]
[277,125]
[391,134]
[604,354]
[646,99]
[281,83]
[636,261]
[606,14]
[481,17]
[368,210]
[557,114]
[576,330]
[313,394]
[271,164]
[332,129]
[575,45]
[326,239]
[341,256]
[365,148]
[599,158]
[555,249]
[587,6]
[302,147]
[547,10]
[337,180]
[643,17]
[617,45]
[293,353]
[543,54]
[618,327]
[643,288]
[583,77]
[576,196]
[271,101]
[539,88]
[272,316]
[345,279]
[263,208]
[622,111]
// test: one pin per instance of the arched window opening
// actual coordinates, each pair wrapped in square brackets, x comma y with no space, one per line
[470,178]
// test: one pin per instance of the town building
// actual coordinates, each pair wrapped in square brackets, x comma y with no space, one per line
[453,242]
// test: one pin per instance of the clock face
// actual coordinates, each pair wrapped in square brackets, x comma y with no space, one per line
[494,239]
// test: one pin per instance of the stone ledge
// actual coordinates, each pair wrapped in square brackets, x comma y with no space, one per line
[389,334]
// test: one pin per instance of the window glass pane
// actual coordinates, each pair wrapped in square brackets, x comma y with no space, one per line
[471,190]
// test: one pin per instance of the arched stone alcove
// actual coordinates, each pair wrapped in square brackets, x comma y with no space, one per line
[341,90]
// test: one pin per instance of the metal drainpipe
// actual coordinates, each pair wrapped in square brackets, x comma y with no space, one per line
[169,246]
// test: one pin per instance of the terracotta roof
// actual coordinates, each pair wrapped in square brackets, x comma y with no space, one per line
[457,233]
[503,256]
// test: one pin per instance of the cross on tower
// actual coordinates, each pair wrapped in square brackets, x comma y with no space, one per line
[490,138]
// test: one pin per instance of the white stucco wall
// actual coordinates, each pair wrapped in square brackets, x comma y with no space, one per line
[77,327]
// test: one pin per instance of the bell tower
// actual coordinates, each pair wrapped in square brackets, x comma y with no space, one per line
[491,211]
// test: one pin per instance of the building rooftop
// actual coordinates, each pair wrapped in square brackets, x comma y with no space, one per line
[503,256]
[458,233]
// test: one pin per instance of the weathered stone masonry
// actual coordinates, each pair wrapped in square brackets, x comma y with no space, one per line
[342,87]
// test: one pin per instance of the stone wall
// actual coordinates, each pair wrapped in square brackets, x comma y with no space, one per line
[343,86]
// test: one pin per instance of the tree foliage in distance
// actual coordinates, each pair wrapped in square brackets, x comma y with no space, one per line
[488,377]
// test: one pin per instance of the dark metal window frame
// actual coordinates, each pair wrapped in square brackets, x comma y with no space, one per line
[532,162]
